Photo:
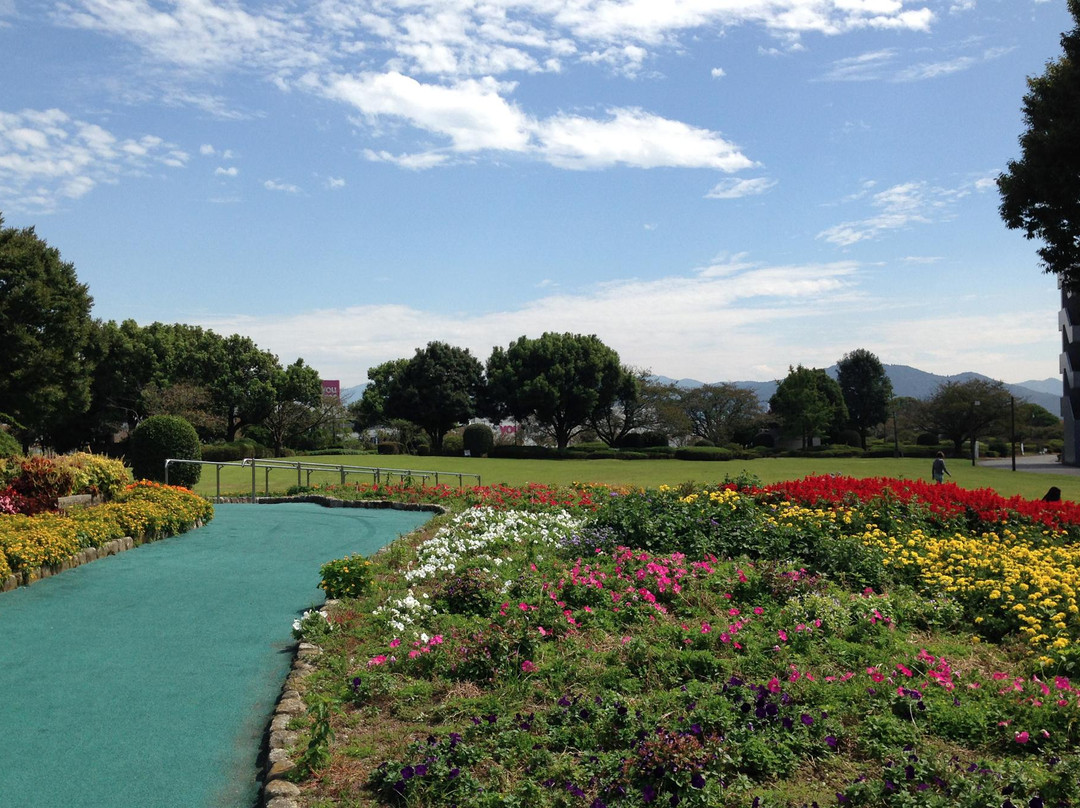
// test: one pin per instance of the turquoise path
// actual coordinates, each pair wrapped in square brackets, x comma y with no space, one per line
[146,679]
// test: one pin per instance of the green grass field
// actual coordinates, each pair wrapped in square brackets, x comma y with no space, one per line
[643,473]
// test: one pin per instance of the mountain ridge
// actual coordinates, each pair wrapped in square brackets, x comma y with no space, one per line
[906,381]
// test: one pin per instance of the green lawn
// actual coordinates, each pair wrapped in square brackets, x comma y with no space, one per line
[645,473]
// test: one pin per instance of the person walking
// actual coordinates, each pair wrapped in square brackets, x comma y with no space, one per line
[939,471]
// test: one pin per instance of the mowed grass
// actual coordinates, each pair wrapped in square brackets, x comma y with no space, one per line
[641,473]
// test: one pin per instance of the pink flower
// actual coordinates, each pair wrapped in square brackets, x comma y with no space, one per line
[876,675]
[903,670]
[528,666]
[782,634]
[773,686]
[1022,737]
[733,611]
[437,639]
[705,628]
[523,606]
[377,660]
[758,610]
[394,643]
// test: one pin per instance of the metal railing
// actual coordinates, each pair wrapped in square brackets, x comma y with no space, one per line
[378,474]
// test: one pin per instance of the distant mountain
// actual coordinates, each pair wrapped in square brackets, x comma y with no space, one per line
[351,394]
[909,381]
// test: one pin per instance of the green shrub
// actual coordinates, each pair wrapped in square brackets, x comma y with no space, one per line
[9,447]
[703,453]
[96,474]
[927,439]
[452,445]
[38,483]
[765,439]
[389,447]
[158,438]
[477,439]
[347,577]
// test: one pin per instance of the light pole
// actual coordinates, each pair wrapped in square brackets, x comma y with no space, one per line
[974,404]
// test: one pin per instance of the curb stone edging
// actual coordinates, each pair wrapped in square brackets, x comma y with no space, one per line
[278,792]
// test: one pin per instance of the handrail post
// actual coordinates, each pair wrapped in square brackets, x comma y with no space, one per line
[166,472]
[254,496]
[219,482]
[342,470]
[298,474]
[267,483]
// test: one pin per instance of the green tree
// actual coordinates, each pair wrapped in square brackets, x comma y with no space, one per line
[808,403]
[562,381]
[242,382]
[44,330]
[437,389]
[1040,192]
[722,413]
[961,411]
[633,409]
[866,389]
[296,406]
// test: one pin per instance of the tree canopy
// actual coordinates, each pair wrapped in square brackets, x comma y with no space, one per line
[562,381]
[809,403]
[1040,192]
[866,389]
[722,413]
[962,411]
[44,330]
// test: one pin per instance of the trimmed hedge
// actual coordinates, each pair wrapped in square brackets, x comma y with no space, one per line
[159,438]
[477,440]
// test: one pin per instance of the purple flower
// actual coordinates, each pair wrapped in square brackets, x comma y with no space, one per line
[648,793]
[454,772]
[697,781]
[421,770]
[830,740]
[407,773]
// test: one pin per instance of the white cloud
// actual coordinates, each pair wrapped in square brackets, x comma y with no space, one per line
[733,188]
[472,113]
[899,207]
[277,185]
[206,150]
[46,156]
[864,67]
[764,310]
[334,183]
[231,171]
[199,34]
[717,73]
[636,138]
[413,162]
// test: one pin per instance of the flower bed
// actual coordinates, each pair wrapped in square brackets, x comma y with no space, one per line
[143,511]
[709,647]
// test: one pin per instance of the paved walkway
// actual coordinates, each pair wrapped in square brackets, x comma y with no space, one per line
[1039,464]
[146,679]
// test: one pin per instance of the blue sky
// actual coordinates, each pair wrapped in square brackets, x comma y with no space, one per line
[716,188]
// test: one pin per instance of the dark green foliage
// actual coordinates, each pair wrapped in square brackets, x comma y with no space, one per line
[158,438]
[721,413]
[389,447]
[1040,192]
[849,437]
[477,439]
[44,329]
[703,453]
[238,450]
[562,381]
[809,403]
[866,389]
[9,447]
[436,390]
[643,440]
[960,411]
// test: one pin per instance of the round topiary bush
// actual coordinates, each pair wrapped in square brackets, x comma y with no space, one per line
[477,439]
[158,438]
[9,447]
